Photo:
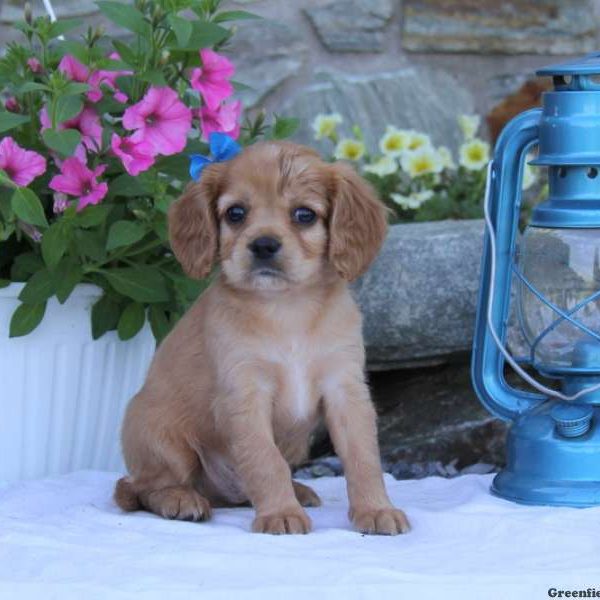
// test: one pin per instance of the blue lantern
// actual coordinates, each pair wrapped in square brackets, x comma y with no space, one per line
[551,274]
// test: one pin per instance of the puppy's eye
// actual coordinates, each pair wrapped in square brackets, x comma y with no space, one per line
[304,215]
[236,214]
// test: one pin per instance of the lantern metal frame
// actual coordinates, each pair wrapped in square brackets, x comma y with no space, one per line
[553,444]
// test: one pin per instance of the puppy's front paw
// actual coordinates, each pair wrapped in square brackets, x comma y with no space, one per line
[381,521]
[286,521]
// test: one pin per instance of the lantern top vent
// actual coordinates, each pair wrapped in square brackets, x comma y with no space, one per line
[576,75]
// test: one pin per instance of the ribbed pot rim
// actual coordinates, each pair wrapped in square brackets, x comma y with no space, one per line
[81,290]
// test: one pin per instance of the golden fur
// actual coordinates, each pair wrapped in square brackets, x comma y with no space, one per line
[236,389]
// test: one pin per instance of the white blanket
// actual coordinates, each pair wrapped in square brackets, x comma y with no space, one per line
[64,538]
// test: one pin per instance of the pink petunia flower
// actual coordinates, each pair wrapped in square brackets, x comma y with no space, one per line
[35,66]
[22,166]
[12,104]
[212,79]
[87,122]
[161,119]
[33,232]
[135,156]
[61,202]
[77,71]
[109,79]
[77,180]
[226,119]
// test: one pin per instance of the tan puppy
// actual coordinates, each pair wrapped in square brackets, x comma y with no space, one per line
[271,347]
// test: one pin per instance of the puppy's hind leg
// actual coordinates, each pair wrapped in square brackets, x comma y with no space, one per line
[163,482]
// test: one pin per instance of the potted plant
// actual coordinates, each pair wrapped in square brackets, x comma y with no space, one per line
[95,135]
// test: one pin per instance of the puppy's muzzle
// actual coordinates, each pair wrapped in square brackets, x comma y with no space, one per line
[265,251]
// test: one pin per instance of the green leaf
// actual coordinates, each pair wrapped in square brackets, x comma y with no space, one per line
[91,244]
[64,142]
[66,276]
[125,52]
[77,49]
[6,180]
[128,186]
[124,233]
[284,127]
[32,86]
[26,318]
[235,15]
[131,321]
[74,88]
[92,216]
[38,289]
[204,35]
[25,265]
[68,107]
[162,203]
[154,77]
[176,166]
[182,28]
[143,283]
[238,86]
[127,16]
[10,120]
[159,323]
[63,26]
[4,283]
[55,243]
[27,206]
[105,316]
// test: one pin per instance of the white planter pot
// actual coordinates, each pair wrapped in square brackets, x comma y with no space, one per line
[62,394]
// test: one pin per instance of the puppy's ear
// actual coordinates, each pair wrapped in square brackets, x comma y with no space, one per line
[357,224]
[193,227]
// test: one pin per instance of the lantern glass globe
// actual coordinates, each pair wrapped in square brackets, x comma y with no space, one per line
[561,269]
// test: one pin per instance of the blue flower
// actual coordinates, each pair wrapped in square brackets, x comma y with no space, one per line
[222,148]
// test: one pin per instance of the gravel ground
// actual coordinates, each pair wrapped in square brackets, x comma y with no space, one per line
[330,466]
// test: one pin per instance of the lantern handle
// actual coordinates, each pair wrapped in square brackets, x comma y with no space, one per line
[502,208]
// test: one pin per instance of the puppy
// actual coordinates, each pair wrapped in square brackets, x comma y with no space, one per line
[270,348]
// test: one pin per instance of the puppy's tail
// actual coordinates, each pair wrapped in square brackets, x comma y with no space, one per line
[125,495]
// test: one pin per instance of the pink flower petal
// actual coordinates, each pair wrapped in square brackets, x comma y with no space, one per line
[136,157]
[22,166]
[161,120]
[94,197]
[212,79]
[226,119]
[73,69]
[34,65]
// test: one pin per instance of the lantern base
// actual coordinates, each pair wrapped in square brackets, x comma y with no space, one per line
[545,467]
[525,489]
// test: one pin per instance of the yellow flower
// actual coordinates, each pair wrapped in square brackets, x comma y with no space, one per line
[446,157]
[325,126]
[412,201]
[474,155]
[469,124]
[529,177]
[418,141]
[349,149]
[386,165]
[421,162]
[395,141]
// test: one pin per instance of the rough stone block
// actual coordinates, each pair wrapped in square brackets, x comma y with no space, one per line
[489,26]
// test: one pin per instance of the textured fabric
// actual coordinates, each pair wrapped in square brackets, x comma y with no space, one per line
[64,538]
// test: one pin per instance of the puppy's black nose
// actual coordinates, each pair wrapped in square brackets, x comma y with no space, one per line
[264,247]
